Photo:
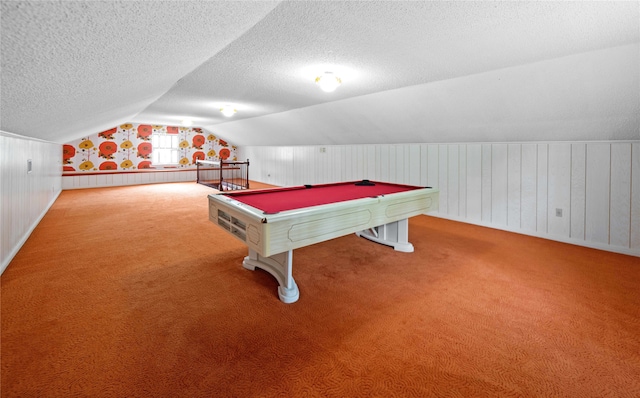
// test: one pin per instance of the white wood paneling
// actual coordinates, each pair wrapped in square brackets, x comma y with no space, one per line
[401,170]
[443,180]
[117,180]
[432,167]
[514,183]
[370,161]
[424,165]
[635,196]
[529,184]
[598,192]
[511,186]
[413,165]
[392,163]
[487,156]
[453,180]
[542,203]
[384,163]
[121,179]
[499,184]
[351,156]
[335,166]
[474,182]
[462,181]
[398,166]
[300,171]
[559,185]
[25,196]
[620,213]
[578,192]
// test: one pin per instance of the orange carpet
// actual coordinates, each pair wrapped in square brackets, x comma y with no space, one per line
[132,292]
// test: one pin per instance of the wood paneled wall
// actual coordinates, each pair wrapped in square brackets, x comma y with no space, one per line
[25,196]
[97,180]
[586,193]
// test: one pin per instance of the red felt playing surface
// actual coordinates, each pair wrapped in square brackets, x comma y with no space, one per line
[283,199]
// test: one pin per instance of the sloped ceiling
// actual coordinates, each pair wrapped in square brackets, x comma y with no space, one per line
[437,71]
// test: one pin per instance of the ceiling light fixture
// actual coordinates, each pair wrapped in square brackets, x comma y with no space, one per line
[328,82]
[228,110]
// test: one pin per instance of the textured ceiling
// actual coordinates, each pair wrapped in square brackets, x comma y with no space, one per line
[70,69]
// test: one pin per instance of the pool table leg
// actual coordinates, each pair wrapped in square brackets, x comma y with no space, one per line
[394,234]
[278,265]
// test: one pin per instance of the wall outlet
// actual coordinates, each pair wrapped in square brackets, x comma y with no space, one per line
[323,150]
[558,212]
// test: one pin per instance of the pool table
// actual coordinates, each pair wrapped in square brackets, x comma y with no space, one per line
[273,222]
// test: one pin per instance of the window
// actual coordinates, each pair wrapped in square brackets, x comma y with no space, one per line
[165,149]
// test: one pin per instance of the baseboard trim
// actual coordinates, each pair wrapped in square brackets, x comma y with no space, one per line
[592,245]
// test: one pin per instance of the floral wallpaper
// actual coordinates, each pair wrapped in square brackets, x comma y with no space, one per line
[128,147]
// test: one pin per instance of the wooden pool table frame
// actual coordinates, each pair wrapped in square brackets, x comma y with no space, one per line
[271,238]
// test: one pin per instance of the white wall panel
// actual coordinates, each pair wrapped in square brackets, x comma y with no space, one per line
[474,182]
[117,180]
[512,186]
[578,193]
[559,195]
[620,213]
[453,180]
[487,157]
[337,165]
[443,180]
[462,181]
[310,163]
[345,160]
[276,167]
[635,196]
[316,168]
[384,163]
[269,170]
[404,177]
[499,184]
[392,163]
[542,204]
[529,183]
[424,165]
[349,159]
[399,168]
[359,155]
[339,158]
[255,168]
[263,158]
[122,179]
[413,165]
[370,163]
[104,180]
[327,167]
[313,163]
[25,196]
[514,176]
[357,168]
[598,190]
[300,171]
[433,165]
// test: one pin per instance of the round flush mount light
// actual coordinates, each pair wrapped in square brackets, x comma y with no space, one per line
[228,110]
[328,82]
